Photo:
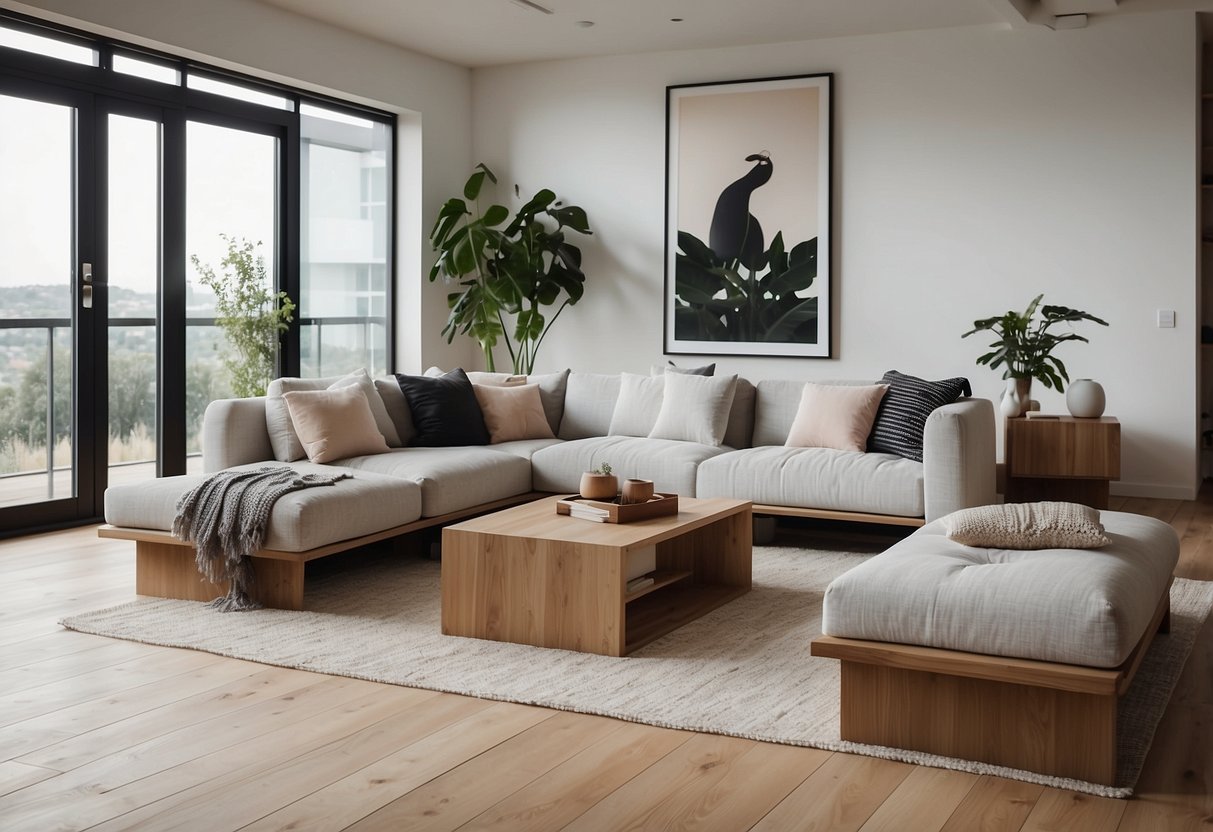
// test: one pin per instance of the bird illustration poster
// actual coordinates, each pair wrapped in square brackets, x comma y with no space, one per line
[748,218]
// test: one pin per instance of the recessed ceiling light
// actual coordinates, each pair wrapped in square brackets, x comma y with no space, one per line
[676,19]
[585,24]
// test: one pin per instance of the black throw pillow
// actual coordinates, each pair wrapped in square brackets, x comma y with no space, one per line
[445,411]
[903,412]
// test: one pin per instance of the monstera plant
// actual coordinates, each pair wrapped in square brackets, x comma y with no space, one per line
[733,288]
[507,266]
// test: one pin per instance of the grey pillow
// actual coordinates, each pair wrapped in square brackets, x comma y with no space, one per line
[695,408]
[638,404]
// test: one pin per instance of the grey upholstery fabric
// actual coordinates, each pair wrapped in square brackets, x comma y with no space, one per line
[741,415]
[959,469]
[668,463]
[1077,606]
[397,407]
[300,520]
[589,401]
[816,478]
[233,433]
[451,478]
[524,448]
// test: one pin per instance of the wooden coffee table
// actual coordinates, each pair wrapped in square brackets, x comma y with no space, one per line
[529,576]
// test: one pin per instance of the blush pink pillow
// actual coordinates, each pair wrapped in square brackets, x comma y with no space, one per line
[334,424]
[513,412]
[835,416]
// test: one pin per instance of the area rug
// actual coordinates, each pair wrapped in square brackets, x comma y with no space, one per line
[743,670]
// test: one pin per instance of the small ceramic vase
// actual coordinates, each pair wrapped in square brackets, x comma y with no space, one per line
[637,491]
[1085,399]
[599,486]
[1016,398]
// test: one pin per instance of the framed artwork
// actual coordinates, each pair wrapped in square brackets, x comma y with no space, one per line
[748,265]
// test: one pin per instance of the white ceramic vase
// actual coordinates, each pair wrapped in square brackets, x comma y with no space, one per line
[1085,399]
[1016,398]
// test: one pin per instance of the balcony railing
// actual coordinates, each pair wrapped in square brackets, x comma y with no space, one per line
[50,327]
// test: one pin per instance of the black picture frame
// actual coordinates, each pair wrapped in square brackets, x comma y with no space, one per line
[749,217]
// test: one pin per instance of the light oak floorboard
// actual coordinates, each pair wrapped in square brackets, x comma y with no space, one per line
[905,809]
[994,805]
[151,736]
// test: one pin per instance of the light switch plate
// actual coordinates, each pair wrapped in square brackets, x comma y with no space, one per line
[1166,318]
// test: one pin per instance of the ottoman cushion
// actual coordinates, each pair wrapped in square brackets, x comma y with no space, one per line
[300,520]
[1075,606]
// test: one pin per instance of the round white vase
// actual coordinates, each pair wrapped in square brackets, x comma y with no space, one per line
[1085,399]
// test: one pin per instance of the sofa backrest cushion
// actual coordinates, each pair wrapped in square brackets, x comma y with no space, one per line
[445,410]
[334,424]
[397,407]
[741,415]
[637,405]
[775,406]
[589,401]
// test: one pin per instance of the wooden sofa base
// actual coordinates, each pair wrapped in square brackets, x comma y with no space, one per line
[165,568]
[830,514]
[1037,716]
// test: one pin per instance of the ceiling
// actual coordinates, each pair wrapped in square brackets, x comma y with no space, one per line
[478,33]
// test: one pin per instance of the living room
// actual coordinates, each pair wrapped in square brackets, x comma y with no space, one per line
[980,158]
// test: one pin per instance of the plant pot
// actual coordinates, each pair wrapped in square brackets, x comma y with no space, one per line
[637,491]
[599,486]
[1085,399]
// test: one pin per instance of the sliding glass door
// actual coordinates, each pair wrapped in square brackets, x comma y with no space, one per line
[48,304]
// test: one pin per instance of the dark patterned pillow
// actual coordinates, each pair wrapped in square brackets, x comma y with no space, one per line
[444,410]
[903,413]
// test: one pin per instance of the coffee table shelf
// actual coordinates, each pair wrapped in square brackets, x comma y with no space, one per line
[661,579]
[529,576]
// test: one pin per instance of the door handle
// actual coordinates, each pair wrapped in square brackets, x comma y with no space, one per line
[86,278]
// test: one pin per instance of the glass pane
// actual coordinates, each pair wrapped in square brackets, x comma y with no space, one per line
[231,198]
[205,84]
[50,47]
[146,69]
[134,257]
[36,255]
[346,164]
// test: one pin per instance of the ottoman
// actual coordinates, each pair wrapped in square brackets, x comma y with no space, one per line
[1012,657]
[304,525]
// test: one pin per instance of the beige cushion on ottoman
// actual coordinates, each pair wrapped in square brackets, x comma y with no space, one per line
[300,520]
[1076,606]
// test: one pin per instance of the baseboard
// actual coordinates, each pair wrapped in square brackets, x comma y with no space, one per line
[1157,492]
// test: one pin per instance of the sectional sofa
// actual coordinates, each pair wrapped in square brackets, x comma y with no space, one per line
[405,488]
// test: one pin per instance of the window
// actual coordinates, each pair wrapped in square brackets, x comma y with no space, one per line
[47,46]
[150,70]
[344,262]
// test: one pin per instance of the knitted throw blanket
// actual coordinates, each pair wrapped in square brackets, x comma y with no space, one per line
[226,517]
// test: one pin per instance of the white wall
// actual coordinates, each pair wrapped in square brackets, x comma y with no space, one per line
[432,99]
[973,169]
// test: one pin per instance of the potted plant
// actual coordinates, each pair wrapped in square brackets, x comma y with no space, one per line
[1024,348]
[599,483]
[250,313]
[513,270]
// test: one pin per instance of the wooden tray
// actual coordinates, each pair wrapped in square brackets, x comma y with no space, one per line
[659,506]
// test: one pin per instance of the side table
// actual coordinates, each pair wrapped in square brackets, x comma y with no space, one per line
[1061,458]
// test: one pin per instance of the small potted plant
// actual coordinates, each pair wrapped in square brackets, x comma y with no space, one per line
[599,483]
[1025,349]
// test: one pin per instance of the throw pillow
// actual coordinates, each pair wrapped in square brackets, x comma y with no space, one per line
[902,417]
[334,424]
[695,408]
[513,412]
[1027,526]
[552,387]
[638,404]
[444,409]
[835,416]
[283,437]
[671,367]
[397,408]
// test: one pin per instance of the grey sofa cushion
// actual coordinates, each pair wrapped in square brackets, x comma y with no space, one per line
[589,401]
[816,478]
[300,520]
[775,405]
[1078,606]
[668,463]
[454,478]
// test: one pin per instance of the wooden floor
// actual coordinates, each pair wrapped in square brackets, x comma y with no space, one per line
[104,734]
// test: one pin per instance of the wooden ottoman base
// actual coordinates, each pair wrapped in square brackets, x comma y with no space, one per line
[1038,716]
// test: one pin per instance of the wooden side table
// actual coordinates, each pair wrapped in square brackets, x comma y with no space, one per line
[1061,458]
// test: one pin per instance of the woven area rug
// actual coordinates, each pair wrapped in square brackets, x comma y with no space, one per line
[743,670]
